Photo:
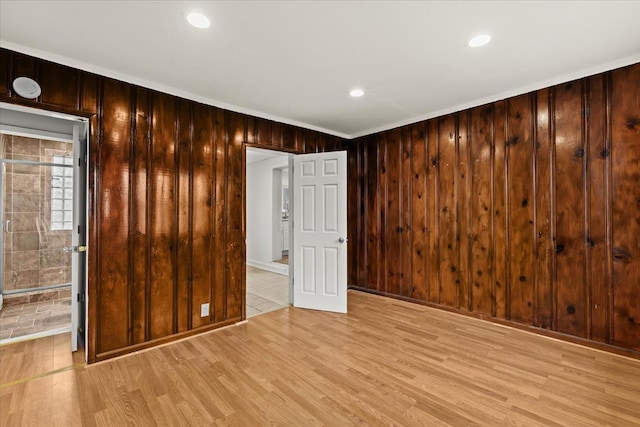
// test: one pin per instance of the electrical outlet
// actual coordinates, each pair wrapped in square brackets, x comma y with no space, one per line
[204,309]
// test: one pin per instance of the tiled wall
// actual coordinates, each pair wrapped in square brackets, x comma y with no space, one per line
[33,255]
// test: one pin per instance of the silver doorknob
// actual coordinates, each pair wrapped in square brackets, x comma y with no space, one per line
[342,240]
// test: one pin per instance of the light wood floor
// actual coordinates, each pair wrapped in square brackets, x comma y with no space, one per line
[385,363]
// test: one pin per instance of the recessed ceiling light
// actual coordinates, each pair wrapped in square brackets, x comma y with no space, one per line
[198,20]
[479,40]
[356,93]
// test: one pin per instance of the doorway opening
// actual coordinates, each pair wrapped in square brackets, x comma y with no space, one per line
[268,231]
[43,211]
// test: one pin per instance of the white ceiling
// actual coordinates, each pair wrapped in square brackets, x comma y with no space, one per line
[296,61]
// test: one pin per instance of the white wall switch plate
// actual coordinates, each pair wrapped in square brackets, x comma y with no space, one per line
[204,309]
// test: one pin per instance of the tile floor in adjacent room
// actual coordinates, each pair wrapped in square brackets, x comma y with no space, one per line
[266,291]
[36,317]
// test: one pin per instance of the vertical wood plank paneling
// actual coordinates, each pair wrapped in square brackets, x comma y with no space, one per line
[5,84]
[520,197]
[625,152]
[481,267]
[310,145]
[321,143]
[463,197]
[58,85]
[263,133]
[449,282]
[298,145]
[184,148]
[597,155]
[219,253]
[433,211]
[419,225]
[288,137]
[88,93]
[406,227]
[373,209]
[353,187]
[382,194]
[553,211]
[202,213]
[608,207]
[276,135]
[570,237]
[393,253]
[353,212]
[138,231]
[25,66]
[500,244]
[251,136]
[162,227]
[544,244]
[360,276]
[113,212]
[235,215]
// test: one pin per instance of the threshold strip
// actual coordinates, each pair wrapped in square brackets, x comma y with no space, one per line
[37,376]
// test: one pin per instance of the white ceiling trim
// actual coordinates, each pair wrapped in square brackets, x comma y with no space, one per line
[507,94]
[158,86]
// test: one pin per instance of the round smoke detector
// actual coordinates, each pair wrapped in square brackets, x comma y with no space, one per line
[26,87]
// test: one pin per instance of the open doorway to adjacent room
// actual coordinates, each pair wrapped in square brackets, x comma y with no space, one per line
[268,231]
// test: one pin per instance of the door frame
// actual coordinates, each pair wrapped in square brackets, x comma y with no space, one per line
[291,156]
[84,121]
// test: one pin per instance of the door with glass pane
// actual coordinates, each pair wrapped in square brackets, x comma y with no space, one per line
[43,209]
[37,214]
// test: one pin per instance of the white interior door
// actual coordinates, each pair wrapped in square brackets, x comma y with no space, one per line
[319,253]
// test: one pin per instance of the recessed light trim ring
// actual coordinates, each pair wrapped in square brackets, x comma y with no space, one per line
[198,20]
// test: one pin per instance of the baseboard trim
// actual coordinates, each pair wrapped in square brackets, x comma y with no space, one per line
[158,342]
[273,267]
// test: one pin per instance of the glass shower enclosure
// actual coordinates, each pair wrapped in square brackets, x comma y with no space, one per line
[37,218]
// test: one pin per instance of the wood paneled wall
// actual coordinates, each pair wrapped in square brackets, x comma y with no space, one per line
[166,229]
[526,210]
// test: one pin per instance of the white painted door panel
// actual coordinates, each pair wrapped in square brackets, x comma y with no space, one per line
[320,231]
